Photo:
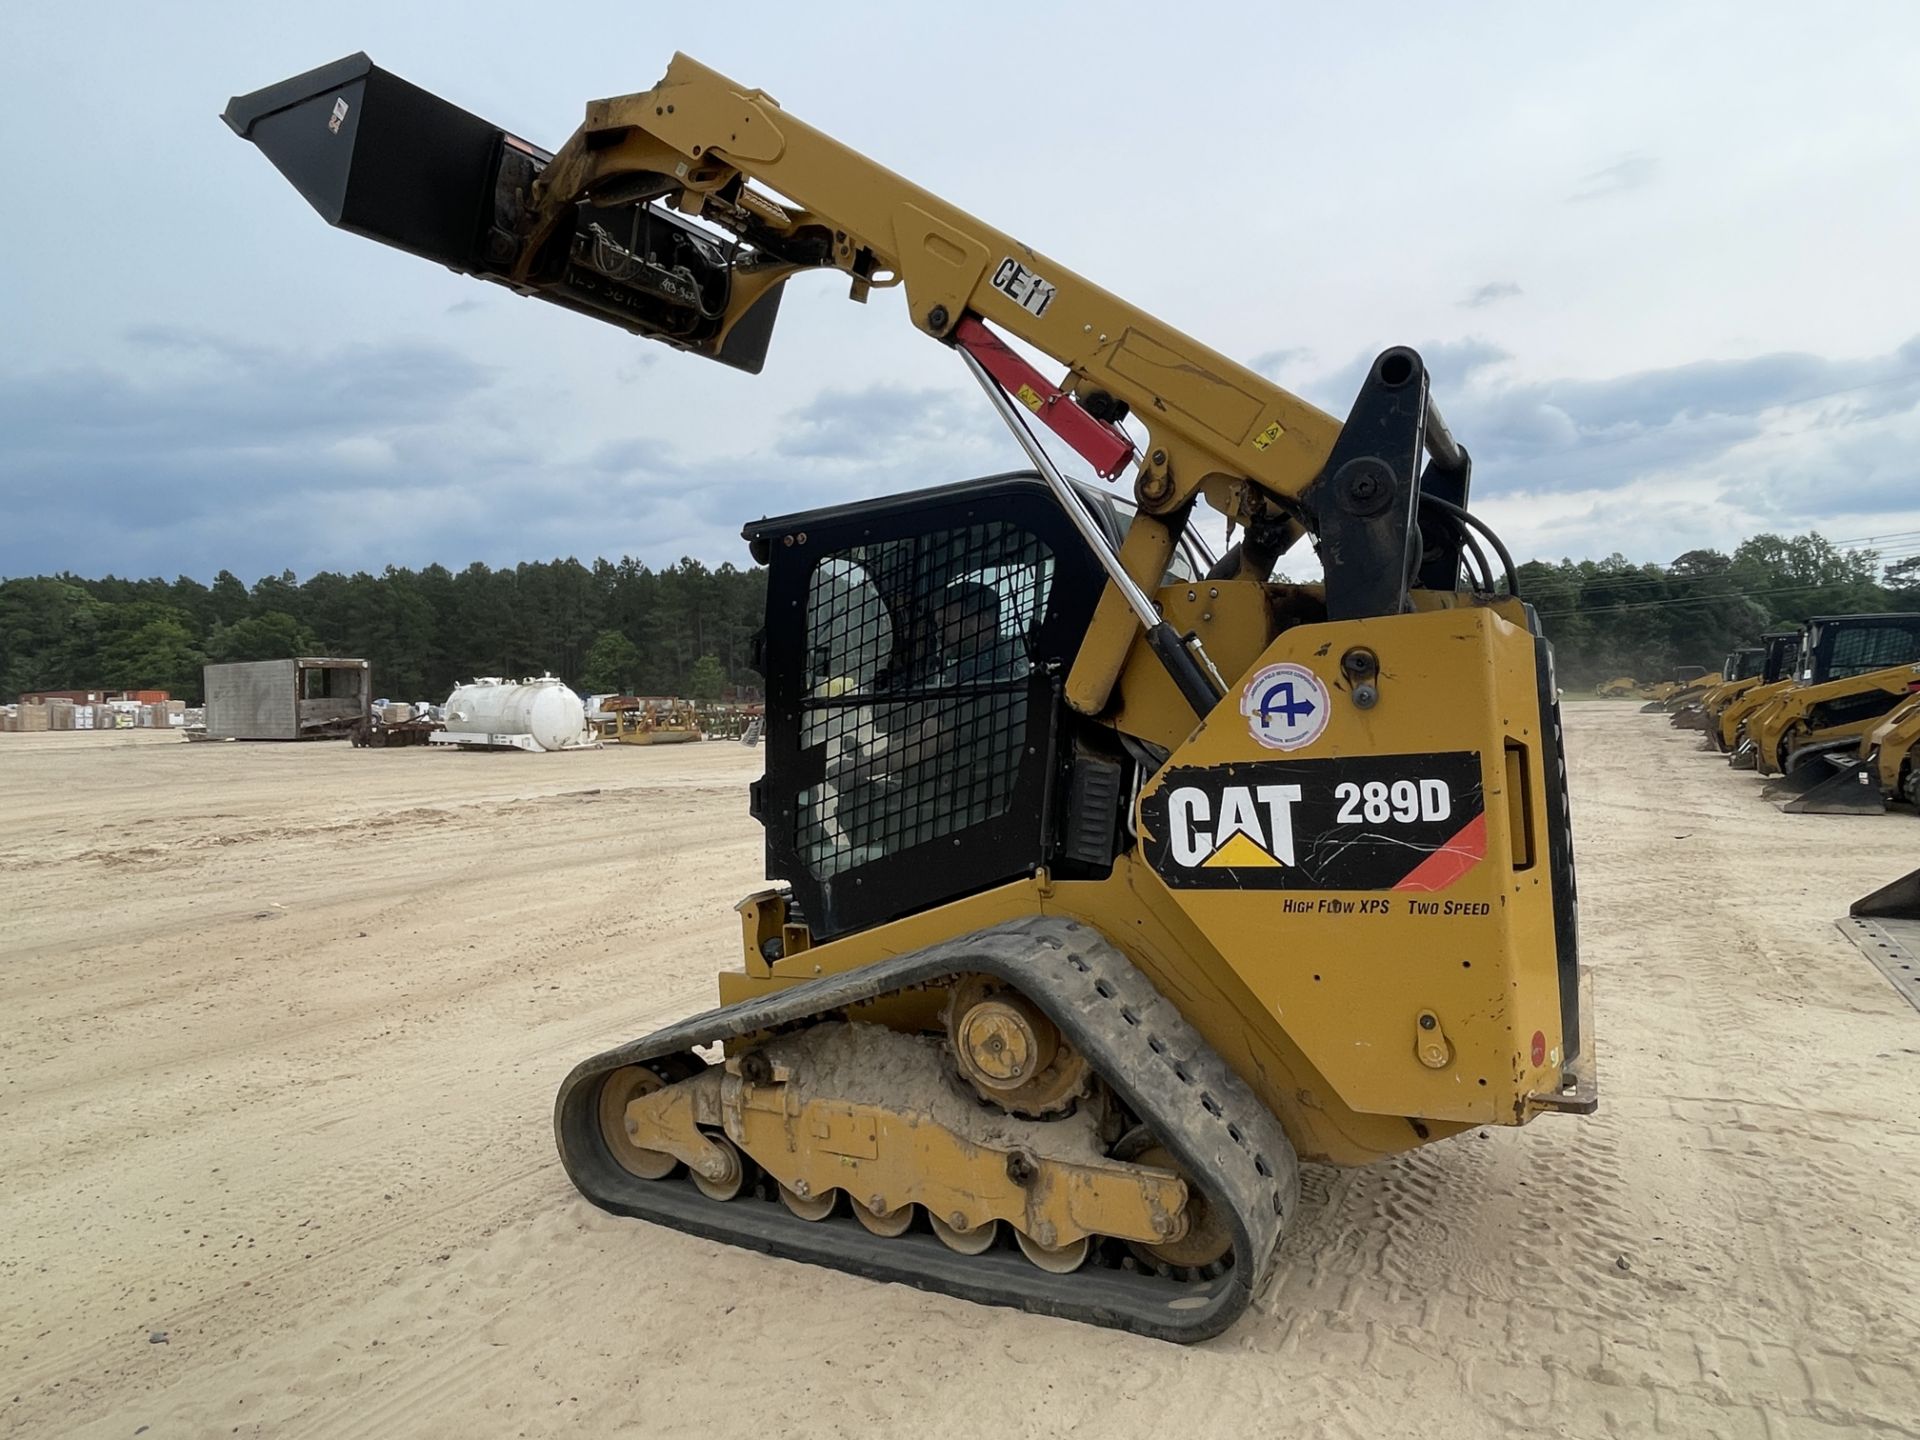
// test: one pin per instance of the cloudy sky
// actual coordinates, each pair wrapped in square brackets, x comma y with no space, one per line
[1662,260]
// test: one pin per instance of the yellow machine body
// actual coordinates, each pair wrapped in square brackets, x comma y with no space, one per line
[1891,750]
[675,724]
[1369,1020]
[1794,723]
[1693,690]
[1275,870]
[1724,694]
[1737,714]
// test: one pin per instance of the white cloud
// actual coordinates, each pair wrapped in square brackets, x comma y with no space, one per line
[249,388]
[1630,172]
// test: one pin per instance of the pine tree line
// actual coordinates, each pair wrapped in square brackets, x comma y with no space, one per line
[1611,617]
[614,626]
[685,630]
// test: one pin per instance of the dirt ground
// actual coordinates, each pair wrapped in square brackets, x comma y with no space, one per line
[280,1028]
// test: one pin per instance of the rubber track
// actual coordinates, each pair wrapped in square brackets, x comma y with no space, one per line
[1138,1042]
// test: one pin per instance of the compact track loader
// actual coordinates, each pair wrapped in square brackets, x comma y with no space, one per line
[1729,728]
[1779,648]
[1111,881]
[1890,753]
[1880,773]
[1688,682]
[1853,670]
[1689,709]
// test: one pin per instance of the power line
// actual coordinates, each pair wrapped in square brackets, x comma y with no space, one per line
[1882,544]
[1696,599]
[1902,535]
[1898,539]
[1619,584]
[1629,599]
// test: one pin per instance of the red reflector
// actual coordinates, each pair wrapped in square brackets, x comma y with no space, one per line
[1539,1047]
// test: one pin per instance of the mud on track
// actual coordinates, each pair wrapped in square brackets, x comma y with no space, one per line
[280,1028]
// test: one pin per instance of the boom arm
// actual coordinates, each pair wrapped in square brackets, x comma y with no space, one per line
[703,143]
[594,227]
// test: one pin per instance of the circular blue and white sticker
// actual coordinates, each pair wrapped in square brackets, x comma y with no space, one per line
[1286,706]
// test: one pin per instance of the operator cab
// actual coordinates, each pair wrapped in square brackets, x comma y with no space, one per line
[1839,647]
[918,746]
[1783,646]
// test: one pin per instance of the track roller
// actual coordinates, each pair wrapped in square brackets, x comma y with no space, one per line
[809,1207]
[976,1241]
[1055,1259]
[889,1223]
[733,1180]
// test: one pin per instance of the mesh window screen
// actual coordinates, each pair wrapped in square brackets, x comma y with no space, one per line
[1855,652]
[917,680]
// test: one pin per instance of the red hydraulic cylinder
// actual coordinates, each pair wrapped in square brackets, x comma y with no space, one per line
[1102,444]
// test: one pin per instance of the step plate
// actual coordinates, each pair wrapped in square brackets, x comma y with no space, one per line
[1894,948]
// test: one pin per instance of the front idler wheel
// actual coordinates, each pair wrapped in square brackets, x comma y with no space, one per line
[617,1091]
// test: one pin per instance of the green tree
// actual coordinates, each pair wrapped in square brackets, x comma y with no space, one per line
[707,678]
[1903,582]
[49,634]
[267,636]
[227,599]
[687,629]
[281,592]
[152,649]
[612,665]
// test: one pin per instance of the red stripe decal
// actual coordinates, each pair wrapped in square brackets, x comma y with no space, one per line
[1466,849]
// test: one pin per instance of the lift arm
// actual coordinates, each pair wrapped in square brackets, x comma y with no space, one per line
[708,145]
[598,227]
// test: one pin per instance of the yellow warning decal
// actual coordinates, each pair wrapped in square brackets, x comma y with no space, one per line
[1030,398]
[1267,436]
[1241,852]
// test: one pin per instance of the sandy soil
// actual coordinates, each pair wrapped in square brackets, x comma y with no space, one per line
[280,1027]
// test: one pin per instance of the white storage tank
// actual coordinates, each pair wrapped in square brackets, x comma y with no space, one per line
[540,714]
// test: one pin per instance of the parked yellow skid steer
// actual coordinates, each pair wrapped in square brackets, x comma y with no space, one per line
[1113,877]
[1687,679]
[1740,666]
[1891,754]
[1880,773]
[1850,671]
[1780,647]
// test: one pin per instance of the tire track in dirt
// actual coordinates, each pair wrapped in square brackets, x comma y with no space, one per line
[1721,1251]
